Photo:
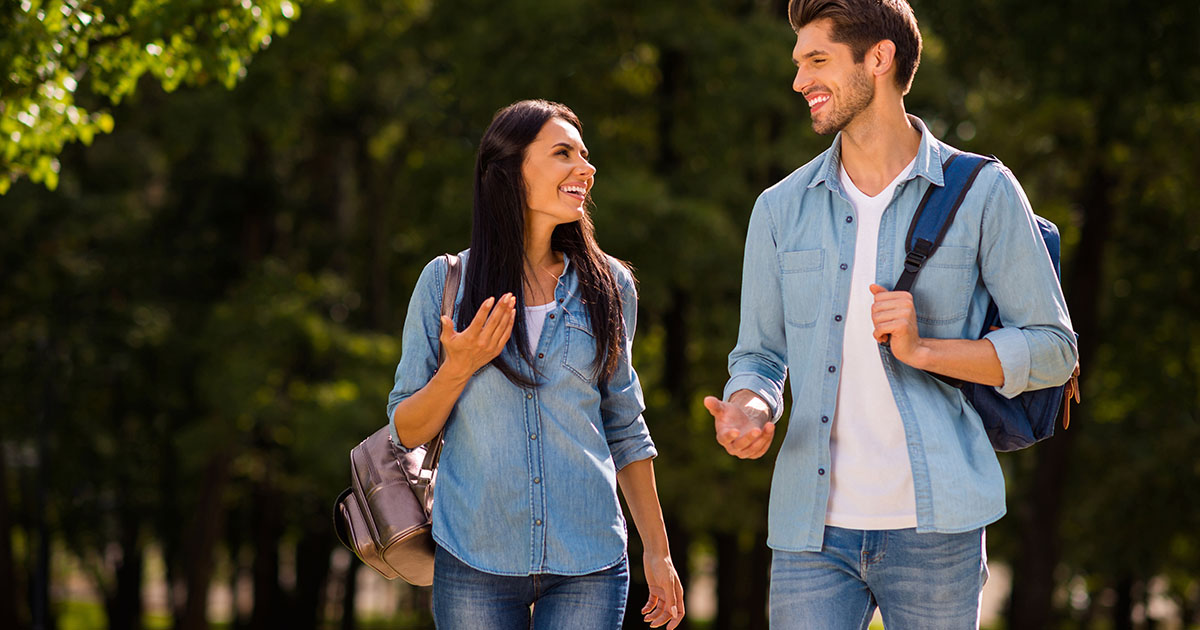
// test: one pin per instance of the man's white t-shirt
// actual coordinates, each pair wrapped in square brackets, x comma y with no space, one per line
[872,482]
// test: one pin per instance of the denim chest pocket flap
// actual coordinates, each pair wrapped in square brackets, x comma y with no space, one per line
[800,274]
[942,291]
[580,351]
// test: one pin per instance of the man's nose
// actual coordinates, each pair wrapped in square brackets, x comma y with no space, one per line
[801,82]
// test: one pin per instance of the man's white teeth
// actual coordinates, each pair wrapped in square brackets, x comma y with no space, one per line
[818,99]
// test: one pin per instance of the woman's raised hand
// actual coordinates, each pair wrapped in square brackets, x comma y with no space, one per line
[484,338]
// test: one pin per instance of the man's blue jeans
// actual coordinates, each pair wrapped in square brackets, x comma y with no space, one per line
[465,598]
[925,581]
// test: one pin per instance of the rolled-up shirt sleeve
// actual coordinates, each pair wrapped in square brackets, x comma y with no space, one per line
[419,349]
[1036,346]
[621,399]
[759,361]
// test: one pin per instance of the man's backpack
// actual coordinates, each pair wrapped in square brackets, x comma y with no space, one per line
[1011,423]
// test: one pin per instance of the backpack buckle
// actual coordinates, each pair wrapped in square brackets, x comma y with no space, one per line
[917,255]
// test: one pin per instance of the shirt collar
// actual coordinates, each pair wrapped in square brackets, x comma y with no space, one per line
[930,156]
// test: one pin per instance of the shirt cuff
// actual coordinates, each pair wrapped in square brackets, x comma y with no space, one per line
[1013,351]
[626,457]
[762,387]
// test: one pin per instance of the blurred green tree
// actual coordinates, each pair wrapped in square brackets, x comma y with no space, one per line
[52,49]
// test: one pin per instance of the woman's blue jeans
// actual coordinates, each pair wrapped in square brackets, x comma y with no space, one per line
[468,599]
[924,581]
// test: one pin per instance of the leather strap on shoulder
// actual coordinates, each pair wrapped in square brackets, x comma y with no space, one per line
[449,291]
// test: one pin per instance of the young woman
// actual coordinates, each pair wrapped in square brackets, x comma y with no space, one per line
[541,405]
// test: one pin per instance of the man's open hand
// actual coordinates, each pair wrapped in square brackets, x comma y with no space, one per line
[743,425]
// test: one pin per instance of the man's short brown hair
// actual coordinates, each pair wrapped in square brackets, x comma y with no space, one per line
[861,24]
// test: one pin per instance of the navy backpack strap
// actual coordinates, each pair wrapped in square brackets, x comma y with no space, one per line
[932,220]
[936,212]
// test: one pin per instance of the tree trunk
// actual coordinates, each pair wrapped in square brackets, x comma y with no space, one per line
[9,592]
[8,581]
[729,597]
[268,527]
[1122,614]
[1033,569]
[760,585]
[312,572]
[124,605]
[349,594]
[203,532]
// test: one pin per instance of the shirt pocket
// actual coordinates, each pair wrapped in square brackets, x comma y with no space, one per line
[942,291]
[800,279]
[580,351]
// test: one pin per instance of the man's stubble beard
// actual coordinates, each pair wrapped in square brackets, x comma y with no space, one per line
[858,97]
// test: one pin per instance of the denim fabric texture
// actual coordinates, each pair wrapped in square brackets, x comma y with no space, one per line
[795,289]
[927,581]
[527,482]
[468,599]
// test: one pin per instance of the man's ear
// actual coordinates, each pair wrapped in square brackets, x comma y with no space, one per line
[881,58]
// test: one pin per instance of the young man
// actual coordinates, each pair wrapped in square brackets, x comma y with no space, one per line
[885,479]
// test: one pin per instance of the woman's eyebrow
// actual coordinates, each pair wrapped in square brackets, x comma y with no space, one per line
[570,146]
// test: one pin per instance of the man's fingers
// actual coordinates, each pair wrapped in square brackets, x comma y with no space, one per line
[743,441]
[715,406]
[726,438]
[756,447]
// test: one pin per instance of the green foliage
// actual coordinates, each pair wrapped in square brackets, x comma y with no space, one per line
[53,49]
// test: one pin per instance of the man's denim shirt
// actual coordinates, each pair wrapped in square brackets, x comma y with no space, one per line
[527,480]
[795,289]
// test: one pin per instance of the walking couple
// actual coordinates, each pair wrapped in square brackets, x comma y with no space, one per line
[885,479]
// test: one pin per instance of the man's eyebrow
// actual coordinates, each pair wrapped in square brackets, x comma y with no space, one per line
[809,55]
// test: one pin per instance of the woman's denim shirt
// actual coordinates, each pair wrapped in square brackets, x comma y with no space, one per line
[527,480]
[795,290]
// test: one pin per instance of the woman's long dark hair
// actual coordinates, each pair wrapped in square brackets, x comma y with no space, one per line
[497,261]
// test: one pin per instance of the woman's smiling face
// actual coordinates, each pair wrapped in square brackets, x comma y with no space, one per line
[557,174]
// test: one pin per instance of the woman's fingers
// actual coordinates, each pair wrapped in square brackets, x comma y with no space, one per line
[499,322]
[480,318]
[447,329]
[677,614]
[504,330]
[658,614]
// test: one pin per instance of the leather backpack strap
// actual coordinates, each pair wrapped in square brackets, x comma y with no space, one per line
[449,291]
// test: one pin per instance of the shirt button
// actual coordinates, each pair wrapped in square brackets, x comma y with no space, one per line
[551,315]
[849,219]
[529,395]
[837,318]
[843,266]
[533,436]
[538,522]
[832,369]
[820,471]
[825,419]
[541,356]
[537,480]
[560,300]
